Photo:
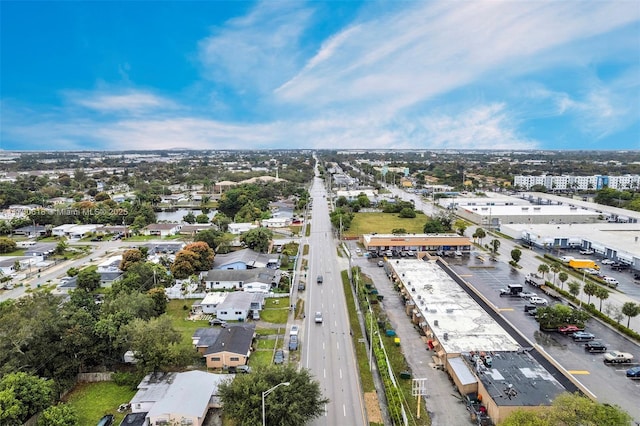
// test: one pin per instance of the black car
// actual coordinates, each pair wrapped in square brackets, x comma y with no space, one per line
[636,275]
[595,347]
[106,420]
[528,308]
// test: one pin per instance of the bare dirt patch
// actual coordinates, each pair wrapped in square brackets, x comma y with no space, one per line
[373,407]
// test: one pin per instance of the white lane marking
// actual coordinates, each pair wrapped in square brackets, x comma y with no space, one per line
[323,346]
[344,410]
[325,410]
[324,372]
[341,374]
[338,345]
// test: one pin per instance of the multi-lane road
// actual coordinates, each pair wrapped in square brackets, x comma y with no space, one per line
[327,347]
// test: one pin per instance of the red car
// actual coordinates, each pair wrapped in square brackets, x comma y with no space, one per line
[569,329]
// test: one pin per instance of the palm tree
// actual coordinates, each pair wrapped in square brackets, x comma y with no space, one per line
[555,268]
[574,289]
[590,288]
[630,309]
[543,269]
[563,276]
[602,294]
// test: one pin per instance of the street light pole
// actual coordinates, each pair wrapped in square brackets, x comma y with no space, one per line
[267,392]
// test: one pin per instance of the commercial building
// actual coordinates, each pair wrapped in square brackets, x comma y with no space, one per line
[486,363]
[582,183]
[431,243]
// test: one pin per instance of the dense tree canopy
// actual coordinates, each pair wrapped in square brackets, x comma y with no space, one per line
[258,239]
[291,405]
[571,410]
[21,396]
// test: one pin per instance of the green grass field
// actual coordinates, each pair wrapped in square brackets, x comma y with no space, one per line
[384,223]
[91,401]
[179,318]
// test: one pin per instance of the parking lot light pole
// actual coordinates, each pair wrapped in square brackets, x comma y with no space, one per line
[267,392]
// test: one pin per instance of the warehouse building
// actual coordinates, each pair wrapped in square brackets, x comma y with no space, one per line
[487,365]
[432,243]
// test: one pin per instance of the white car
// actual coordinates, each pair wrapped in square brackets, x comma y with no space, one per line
[607,262]
[318,318]
[358,251]
[527,294]
[535,300]
[588,251]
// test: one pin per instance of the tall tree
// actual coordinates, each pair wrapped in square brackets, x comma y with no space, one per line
[258,239]
[574,288]
[630,309]
[555,268]
[590,289]
[563,276]
[292,405]
[22,395]
[543,268]
[602,294]
[157,345]
[129,257]
[59,415]
[516,254]
[570,410]
[88,279]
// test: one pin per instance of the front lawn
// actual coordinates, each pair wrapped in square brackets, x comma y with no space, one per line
[276,310]
[179,315]
[261,358]
[384,223]
[91,401]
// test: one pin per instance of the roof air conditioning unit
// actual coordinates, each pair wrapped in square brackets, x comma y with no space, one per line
[419,297]
[449,310]
[435,323]
[446,336]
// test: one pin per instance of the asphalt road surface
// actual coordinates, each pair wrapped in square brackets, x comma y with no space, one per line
[328,351]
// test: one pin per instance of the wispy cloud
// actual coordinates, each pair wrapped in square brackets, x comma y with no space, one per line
[430,48]
[130,101]
[259,51]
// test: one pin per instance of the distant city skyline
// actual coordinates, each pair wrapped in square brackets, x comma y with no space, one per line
[321,75]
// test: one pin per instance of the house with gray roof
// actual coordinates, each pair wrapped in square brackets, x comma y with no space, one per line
[238,305]
[178,398]
[259,280]
[231,348]
[245,259]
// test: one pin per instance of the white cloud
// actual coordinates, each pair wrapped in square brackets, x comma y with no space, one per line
[431,48]
[258,51]
[131,101]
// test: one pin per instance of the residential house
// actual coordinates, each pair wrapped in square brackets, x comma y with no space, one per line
[192,230]
[237,306]
[178,398]
[75,232]
[240,228]
[210,303]
[259,280]
[276,222]
[231,348]
[31,231]
[162,229]
[110,271]
[245,259]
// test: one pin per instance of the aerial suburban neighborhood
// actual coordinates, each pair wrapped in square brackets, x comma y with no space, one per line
[189,290]
[322,213]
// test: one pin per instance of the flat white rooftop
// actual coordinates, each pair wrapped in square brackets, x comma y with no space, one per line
[442,301]
[530,210]
[623,237]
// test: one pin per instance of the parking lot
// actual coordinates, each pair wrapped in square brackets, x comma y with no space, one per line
[608,383]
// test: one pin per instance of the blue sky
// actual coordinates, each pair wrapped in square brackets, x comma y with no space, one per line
[321,74]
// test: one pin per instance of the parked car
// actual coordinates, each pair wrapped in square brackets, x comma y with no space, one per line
[293,343]
[634,372]
[595,347]
[457,253]
[617,357]
[582,336]
[319,279]
[106,420]
[636,275]
[245,369]
[527,294]
[294,330]
[380,263]
[587,251]
[620,266]
[528,308]
[533,312]
[607,262]
[535,300]
[318,317]
[358,251]
[216,321]
[569,329]
[278,358]
[611,282]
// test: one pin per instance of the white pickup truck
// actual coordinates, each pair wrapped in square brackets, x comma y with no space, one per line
[617,357]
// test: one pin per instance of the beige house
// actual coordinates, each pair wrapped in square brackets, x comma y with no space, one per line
[231,347]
